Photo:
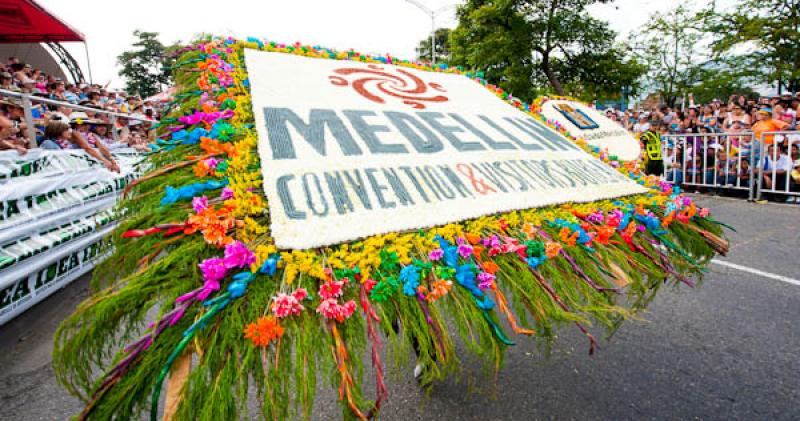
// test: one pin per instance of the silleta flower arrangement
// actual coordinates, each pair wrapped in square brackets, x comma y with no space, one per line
[232,314]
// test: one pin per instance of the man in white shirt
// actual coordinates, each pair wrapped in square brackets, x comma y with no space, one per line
[642,125]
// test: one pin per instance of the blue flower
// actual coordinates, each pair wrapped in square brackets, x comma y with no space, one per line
[270,266]
[533,262]
[465,276]
[409,275]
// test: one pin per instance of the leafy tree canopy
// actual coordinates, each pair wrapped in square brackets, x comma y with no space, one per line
[442,39]
[760,38]
[146,68]
[529,47]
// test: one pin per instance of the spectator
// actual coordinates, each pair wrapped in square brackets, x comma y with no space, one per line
[725,168]
[6,82]
[8,142]
[777,165]
[736,114]
[673,160]
[642,125]
[58,135]
[767,124]
[13,111]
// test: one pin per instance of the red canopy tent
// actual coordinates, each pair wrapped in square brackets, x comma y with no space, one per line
[25,21]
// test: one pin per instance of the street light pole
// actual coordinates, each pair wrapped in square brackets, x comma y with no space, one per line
[432,14]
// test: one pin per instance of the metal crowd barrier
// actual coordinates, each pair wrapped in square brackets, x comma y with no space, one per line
[27,100]
[749,164]
[778,152]
[696,160]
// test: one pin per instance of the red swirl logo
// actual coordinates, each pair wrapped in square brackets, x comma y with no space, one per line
[374,82]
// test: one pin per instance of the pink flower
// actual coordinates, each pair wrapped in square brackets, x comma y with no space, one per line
[349,308]
[492,241]
[703,212]
[331,290]
[436,254]
[199,204]
[212,162]
[213,269]
[226,194]
[464,249]
[286,305]
[208,288]
[330,309]
[485,280]
[595,218]
[238,255]
[300,294]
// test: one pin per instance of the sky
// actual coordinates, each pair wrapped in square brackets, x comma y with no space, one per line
[367,26]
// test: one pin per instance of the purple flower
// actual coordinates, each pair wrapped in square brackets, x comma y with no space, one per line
[208,288]
[199,204]
[238,255]
[492,241]
[595,218]
[436,254]
[213,269]
[212,162]
[226,194]
[464,249]
[485,280]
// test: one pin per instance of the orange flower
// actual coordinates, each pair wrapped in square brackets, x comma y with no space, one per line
[439,288]
[476,251]
[490,267]
[529,230]
[202,169]
[552,249]
[214,147]
[604,233]
[472,238]
[264,331]
[668,219]
[567,236]
[214,224]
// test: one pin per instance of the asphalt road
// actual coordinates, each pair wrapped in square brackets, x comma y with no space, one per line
[727,350]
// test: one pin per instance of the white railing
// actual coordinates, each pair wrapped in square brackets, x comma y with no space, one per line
[778,163]
[28,99]
[734,161]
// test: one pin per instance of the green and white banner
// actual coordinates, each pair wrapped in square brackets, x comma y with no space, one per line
[55,209]
[21,289]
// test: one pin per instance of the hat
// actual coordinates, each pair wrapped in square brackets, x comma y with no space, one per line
[79,117]
[5,75]
[14,102]
[766,111]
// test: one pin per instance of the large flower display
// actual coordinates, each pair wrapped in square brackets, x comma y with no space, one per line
[197,298]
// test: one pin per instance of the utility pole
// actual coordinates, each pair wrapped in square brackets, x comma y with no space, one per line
[432,13]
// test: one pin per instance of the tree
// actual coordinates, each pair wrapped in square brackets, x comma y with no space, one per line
[720,82]
[146,69]
[670,46]
[760,38]
[442,39]
[526,45]
[493,37]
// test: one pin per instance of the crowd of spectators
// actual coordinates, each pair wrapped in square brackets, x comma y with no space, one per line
[63,127]
[722,139]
